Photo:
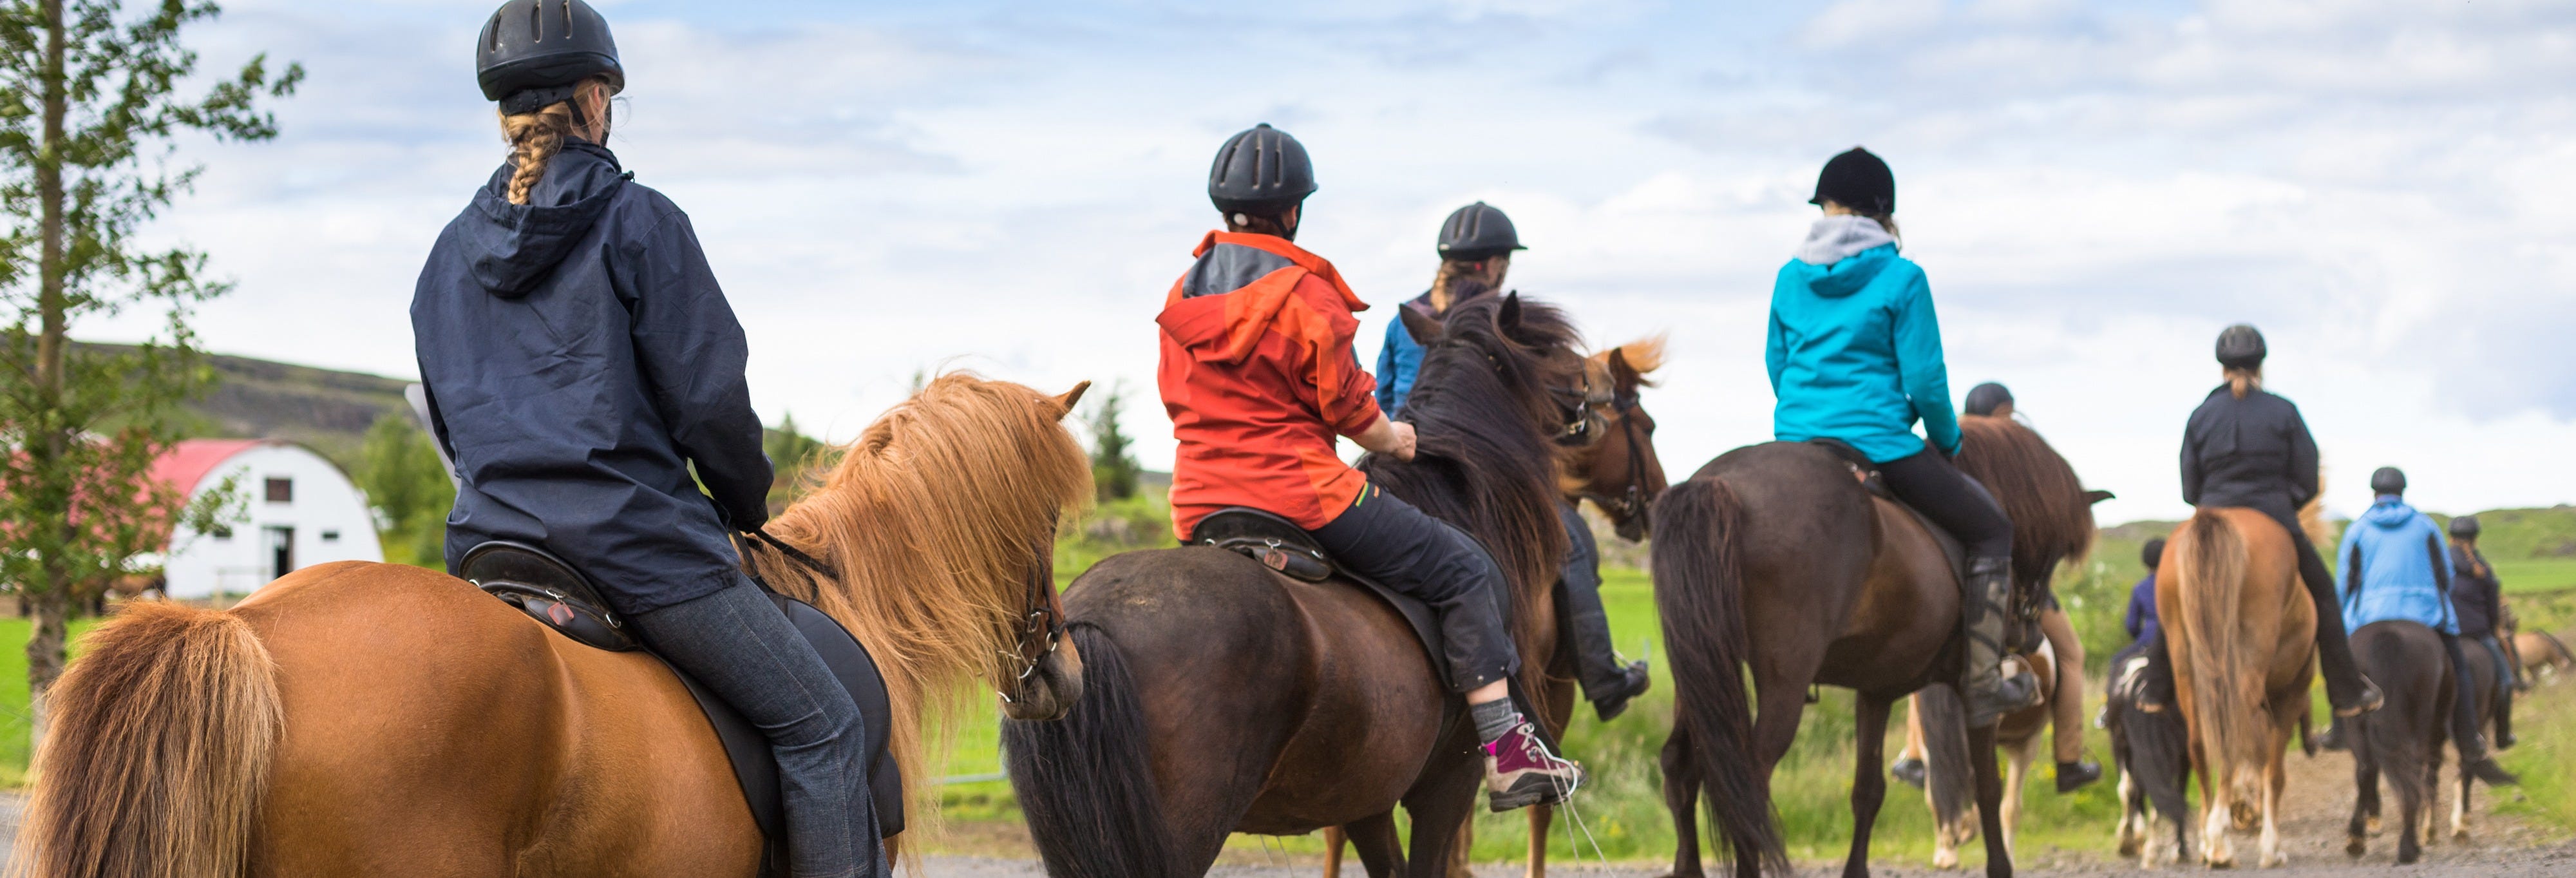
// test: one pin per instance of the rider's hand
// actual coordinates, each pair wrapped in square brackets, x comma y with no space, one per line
[1403,441]
[1389,437]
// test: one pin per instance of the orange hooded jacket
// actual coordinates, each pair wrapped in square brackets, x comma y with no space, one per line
[1259,375]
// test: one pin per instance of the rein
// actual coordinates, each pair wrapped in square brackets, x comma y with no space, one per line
[763,537]
[1042,625]
[1632,501]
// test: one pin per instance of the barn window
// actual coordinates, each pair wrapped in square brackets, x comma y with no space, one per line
[281,490]
[330,536]
[223,533]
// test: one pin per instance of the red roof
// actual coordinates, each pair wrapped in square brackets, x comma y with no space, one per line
[188,462]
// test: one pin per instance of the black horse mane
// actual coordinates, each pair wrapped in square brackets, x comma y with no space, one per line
[1484,459]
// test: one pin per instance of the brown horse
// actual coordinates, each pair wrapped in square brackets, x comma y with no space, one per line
[1222,697]
[372,719]
[2404,738]
[2540,651]
[1775,557]
[2241,635]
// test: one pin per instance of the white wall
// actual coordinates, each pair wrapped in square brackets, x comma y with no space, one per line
[325,504]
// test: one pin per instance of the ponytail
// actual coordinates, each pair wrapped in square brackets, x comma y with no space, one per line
[2242,381]
[535,137]
[1461,279]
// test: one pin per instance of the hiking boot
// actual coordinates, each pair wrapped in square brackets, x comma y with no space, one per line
[2333,738]
[2072,776]
[1633,681]
[1907,770]
[2371,699]
[1983,616]
[2487,770]
[1520,772]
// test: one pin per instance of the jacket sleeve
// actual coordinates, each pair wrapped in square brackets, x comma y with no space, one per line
[2490,591]
[1345,395]
[1775,352]
[2348,559]
[2439,555]
[2192,475]
[1919,365]
[2303,461]
[692,354]
[1386,367]
[2135,622]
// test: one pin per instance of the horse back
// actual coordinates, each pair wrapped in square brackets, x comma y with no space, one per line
[431,729]
[1272,705]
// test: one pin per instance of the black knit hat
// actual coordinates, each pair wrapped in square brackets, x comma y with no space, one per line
[1857,180]
[2153,553]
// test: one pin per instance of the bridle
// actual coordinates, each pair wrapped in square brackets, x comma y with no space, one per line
[1578,415]
[1631,504]
[1041,624]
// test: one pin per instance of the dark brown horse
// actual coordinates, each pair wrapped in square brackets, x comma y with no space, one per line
[1773,556]
[1221,697]
[2402,739]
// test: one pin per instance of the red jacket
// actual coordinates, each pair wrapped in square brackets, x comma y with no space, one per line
[1258,374]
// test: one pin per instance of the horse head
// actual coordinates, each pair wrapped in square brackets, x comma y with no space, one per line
[1618,469]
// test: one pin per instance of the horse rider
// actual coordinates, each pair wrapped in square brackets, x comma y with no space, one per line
[1989,399]
[2396,567]
[1259,377]
[2247,447]
[1854,354]
[585,373]
[2141,620]
[1476,244]
[2478,598]
[2066,705]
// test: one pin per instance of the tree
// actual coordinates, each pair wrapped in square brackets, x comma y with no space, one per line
[793,456]
[407,489]
[89,121]
[1113,457]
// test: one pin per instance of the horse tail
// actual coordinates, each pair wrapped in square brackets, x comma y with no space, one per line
[1084,781]
[1949,776]
[158,755]
[1699,591]
[2228,684]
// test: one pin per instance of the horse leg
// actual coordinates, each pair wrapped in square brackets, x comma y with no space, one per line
[2459,804]
[2276,775]
[1538,823]
[2129,834]
[1445,801]
[1462,852]
[2365,786]
[1990,795]
[1946,834]
[1333,838]
[1381,852]
[1681,796]
[1774,729]
[2016,771]
[1869,781]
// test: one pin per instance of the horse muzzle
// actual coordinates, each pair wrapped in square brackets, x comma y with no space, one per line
[1051,687]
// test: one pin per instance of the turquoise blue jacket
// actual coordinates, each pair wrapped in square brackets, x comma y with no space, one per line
[2395,566]
[1855,355]
[1399,360]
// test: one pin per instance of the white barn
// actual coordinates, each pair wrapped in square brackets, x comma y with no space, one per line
[300,510]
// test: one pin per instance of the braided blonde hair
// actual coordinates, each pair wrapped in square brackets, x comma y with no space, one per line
[535,138]
[1486,272]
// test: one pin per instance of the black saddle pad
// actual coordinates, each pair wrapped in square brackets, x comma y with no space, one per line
[559,596]
[1282,546]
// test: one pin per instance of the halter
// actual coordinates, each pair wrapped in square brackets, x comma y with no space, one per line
[1578,424]
[1632,502]
[1042,626]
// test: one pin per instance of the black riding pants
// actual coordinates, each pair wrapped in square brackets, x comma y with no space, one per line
[1388,540]
[1578,600]
[2334,644]
[1933,486]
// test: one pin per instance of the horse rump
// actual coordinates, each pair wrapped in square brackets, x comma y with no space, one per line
[1084,781]
[176,710]
[2211,562]
[1699,592]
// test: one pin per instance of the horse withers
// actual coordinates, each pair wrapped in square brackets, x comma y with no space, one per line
[2241,635]
[1775,557]
[372,719]
[2403,739]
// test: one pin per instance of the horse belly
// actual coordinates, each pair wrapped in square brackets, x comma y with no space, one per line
[1374,720]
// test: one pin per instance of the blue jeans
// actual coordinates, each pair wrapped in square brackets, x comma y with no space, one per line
[739,645]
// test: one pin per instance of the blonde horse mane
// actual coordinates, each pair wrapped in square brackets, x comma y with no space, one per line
[934,520]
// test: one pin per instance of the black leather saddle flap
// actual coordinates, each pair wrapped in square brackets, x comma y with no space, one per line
[547,588]
[1282,546]
[1877,487]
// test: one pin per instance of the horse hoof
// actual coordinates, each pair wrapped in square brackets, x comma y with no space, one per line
[2407,858]
[2372,824]
[2356,847]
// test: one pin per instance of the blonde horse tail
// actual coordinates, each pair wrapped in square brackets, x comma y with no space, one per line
[2226,684]
[158,754]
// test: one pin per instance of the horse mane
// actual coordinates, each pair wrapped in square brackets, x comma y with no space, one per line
[1483,461]
[1644,355]
[933,519]
[2052,519]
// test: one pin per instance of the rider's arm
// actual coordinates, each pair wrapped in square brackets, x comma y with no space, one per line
[692,353]
[2191,472]
[1775,352]
[1920,367]
[2303,460]
[1386,368]
[1389,437]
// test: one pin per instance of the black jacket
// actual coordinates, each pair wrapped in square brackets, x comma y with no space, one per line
[2475,595]
[2253,452]
[579,358]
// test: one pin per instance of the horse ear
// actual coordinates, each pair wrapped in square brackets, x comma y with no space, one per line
[1069,398]
[1624,378]
[1509,317]
[2097,496]
[1426,329]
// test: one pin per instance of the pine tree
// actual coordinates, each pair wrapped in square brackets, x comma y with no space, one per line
[89,120]
[1113,458]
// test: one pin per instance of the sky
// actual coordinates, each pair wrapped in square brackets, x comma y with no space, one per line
[2386,187]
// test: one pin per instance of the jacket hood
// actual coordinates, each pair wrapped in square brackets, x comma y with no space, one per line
[2389,513]
[1836,238]
[1844,276]
[1219,310]
[512,247]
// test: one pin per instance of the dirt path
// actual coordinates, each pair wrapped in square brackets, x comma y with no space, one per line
[2319,800]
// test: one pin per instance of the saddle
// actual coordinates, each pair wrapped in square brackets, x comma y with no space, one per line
[1282,546]
[560,597]
[2026,607]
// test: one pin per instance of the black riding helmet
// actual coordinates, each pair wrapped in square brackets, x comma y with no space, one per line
[1983,399]
[533,52]
[2153,553]
[2465,527]
[1478,231]
[2241,347]
[1857,179]
[1262,170]
[2388,480]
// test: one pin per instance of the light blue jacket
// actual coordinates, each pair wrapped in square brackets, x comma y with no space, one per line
[1398,362]
[2395,566]
[1855,355]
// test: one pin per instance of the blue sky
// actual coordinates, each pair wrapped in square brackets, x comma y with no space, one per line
[2094,189]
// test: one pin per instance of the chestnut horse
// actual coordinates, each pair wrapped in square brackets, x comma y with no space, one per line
[1775,557]
[2241,634]
[1222,697]
[372,719]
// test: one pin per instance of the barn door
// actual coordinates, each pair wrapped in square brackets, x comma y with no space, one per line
[281,551]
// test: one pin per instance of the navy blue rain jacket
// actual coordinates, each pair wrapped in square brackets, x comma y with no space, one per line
[579,358]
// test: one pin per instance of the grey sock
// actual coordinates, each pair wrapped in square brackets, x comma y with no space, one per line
[1494,719]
